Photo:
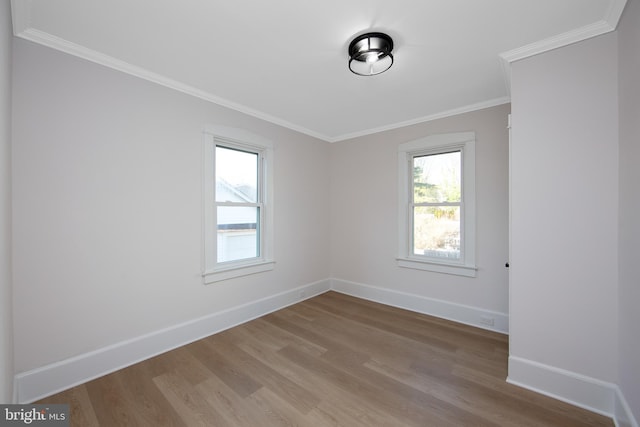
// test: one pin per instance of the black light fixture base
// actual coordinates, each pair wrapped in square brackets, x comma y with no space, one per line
[370,54]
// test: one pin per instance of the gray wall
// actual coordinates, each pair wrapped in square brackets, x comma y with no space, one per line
[364,213]
[575,203]
[564,201]
[107,208]
[6,322]
[629,231]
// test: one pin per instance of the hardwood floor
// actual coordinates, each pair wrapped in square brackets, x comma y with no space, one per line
[332,360]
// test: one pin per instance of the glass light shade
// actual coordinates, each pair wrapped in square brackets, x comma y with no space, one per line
[370,54]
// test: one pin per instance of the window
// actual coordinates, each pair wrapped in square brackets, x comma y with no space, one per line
[238,207]
[436,178]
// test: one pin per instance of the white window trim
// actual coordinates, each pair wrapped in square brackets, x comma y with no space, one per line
[434,144]
[239,138]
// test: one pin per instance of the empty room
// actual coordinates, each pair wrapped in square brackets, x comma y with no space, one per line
[356,213]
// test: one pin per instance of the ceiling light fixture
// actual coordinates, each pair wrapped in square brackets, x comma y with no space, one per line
[370,54]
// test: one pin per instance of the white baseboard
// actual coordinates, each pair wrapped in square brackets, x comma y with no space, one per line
[579,390]
[597,396]
[622,414]
[47,380]
[473,316]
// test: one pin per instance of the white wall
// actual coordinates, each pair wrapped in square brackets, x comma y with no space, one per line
[107,208]
[564,200]
[6,324]
[364,222]
[629,232]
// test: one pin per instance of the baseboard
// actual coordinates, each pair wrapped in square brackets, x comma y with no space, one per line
[622,415]
[47,380]
[473,316]
[579,390]
[589,393]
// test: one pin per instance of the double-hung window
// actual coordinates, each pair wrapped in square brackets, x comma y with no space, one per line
[437,204]
[238,205]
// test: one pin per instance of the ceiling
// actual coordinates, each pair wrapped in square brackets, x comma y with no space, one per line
[285,61]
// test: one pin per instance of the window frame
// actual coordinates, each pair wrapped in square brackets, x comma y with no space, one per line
[239,139]
[430,145]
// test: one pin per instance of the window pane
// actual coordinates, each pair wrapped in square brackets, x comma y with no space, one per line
[237,233]
[236,176]
[436,178]
[436,231]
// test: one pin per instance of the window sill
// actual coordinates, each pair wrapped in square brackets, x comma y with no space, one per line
[438,267]
[236,270]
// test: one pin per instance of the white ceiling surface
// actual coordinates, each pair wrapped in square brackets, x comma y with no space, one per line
[286,60]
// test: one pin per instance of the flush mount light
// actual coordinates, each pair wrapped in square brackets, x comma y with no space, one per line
[370,54]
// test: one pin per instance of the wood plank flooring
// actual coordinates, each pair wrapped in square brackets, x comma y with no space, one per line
[332,360]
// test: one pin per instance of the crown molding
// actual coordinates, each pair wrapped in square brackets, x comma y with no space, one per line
[615,12]
[555,42]
[20,15]
[21,18]
[606,25]
[80,51]
[441,115]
